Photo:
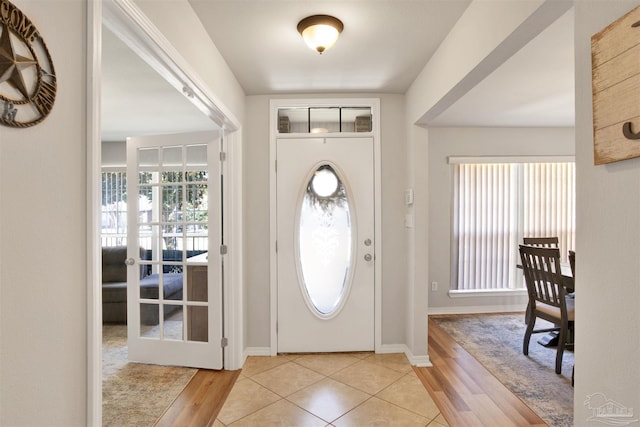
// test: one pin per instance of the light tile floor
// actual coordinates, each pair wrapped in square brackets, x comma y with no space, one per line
[335,389]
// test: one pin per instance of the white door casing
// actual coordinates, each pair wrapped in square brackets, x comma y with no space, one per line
[351,327]
[175,339]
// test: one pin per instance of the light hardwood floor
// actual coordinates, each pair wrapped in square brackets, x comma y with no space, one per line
[465,393]
[201,401]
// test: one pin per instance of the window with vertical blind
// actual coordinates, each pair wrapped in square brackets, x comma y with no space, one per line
[496,202]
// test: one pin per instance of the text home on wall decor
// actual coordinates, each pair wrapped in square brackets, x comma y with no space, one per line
[615,62]
[27,78]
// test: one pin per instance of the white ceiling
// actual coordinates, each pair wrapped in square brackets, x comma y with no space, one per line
[535,87]
[137,101]
[383,47]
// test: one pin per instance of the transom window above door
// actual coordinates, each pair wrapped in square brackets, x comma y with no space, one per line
[324,119]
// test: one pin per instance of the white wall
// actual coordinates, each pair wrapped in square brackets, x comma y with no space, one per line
[114,153]
[417,239]
[607,249]
[256,222]
[445,142]
[42,245]
[256,202]
[43,257]
[395,269]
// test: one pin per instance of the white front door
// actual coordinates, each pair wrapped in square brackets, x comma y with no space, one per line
[325,244]
[174,275]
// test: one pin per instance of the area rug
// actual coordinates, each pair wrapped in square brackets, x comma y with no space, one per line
[135,394]
[496,342]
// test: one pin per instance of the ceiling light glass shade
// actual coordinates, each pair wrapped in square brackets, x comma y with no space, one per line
[320,32]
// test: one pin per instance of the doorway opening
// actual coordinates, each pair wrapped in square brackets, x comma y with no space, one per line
[124,22]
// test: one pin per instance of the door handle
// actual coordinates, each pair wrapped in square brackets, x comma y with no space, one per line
[368,257]
[130,261]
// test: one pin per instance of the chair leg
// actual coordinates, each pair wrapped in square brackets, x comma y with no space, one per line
[527,335]
[527,314]
[562,339]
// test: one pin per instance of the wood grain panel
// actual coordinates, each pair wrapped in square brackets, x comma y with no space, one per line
[615,57]
[617,69]
[614,39]
[612,144]
[617,103]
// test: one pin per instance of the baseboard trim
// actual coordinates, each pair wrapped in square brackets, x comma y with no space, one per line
[419,361]
[257,351]
[478,309]
[392,348]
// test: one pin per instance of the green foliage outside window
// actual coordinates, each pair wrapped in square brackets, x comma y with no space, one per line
[184,197]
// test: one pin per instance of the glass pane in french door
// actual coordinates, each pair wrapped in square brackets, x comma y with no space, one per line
[173,234]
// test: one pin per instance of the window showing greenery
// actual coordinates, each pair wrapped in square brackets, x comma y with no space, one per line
[114,208]
[184,199]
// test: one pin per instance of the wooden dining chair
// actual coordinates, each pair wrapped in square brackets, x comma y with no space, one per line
[543,242]
[547,296]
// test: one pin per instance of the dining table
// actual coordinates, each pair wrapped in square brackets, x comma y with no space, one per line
[567,277]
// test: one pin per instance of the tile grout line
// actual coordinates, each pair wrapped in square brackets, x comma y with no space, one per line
[325,376]
[367,359]
[401,407]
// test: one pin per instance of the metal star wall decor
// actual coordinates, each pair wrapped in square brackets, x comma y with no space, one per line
[27,78]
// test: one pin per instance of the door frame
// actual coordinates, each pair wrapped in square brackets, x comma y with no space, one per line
[146,40]
[274,105]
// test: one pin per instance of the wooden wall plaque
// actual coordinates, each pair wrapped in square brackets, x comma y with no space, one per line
[615,67]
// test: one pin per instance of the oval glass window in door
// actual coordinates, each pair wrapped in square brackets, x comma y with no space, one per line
[325,242]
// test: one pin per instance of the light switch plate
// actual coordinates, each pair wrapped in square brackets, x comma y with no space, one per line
[408,196]
[408,221]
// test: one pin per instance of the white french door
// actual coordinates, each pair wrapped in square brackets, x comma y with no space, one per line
[325,244]
[174,274]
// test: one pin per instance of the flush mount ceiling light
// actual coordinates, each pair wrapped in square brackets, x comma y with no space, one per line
[320,32]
